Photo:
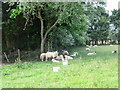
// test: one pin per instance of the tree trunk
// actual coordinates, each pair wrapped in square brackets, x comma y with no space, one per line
[43,37]
[48,46]
[102,42]
[51,45]
[7,41]
[38,15]
[42,45]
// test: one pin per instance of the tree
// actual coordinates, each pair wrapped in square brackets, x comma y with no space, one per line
[42,11]
[115,25]
[72,30]
[99,18]
[49,15]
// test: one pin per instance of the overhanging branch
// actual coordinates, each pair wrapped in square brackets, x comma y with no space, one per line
[54,23]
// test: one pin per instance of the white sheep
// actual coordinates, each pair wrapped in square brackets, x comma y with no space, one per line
[87,45]
[94,53]
[114,51]
[53,60]
[74,54]
[68,57]
[111,45]
[95,46]
[87,49]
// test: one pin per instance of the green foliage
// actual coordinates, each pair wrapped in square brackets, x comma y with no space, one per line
[63,37]
[99,26]
[18,63]
[15,12]
[77,22]
[115,18]
[114,25]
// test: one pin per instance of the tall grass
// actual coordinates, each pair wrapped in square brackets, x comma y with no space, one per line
[98,71]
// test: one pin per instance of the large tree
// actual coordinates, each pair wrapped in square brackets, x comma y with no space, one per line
[99,18]
[50,15]
[115,25]
[44,12]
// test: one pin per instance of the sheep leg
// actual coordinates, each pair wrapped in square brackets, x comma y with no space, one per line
[46,59]
[42,59]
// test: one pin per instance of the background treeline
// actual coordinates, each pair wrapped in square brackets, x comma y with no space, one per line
[49,26]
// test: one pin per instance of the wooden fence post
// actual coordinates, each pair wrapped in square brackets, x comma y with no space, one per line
[6,57]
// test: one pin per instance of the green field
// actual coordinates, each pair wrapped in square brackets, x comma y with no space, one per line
[98,71]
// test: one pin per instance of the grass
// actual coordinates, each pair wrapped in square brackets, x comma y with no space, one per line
[98,71]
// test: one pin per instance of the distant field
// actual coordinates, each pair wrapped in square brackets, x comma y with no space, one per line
[98,71]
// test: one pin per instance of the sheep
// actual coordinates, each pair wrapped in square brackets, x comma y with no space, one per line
[87,45]
[111,45]
[68,57]
[51,54]
[59,57]
[91,46]
[95,46]
[64,53]
[48,55]
[74,54]
[87,49]
[43,56]
[53,60]
[94,53]
[114,51]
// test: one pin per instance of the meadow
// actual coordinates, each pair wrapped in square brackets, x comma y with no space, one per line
[98,71]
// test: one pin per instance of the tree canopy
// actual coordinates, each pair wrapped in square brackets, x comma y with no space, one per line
[55,25]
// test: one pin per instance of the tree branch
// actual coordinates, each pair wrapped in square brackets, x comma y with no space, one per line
[54,23]
[38,15]
[50,29]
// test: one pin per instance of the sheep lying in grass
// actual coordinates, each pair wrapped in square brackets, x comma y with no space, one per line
[115,51]
[53,60]
[74,54]
[64,52]
[95,46]
[62,58]
[94,53]
[87,49]
[68,57]
[87,45]
[59,57]
[111,45]
[90,46]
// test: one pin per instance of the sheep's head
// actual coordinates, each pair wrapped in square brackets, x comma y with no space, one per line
[56,53]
